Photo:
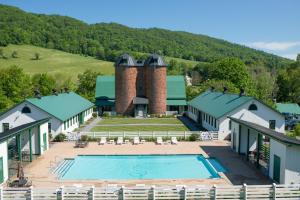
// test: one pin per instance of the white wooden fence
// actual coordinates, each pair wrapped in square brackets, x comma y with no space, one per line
[154,193]
[203,135]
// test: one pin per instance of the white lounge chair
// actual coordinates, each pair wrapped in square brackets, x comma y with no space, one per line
[159,140]
[136,140]
[120,140]
[102,141]
[174,140]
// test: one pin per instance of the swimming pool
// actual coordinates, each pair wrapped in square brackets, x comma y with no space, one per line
[123,167]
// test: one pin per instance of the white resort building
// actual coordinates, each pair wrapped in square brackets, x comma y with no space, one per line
[211,110]
[67,111]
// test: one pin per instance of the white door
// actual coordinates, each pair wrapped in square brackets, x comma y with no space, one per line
[140,111]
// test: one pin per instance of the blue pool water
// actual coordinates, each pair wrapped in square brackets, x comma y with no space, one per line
[121,167]
[217,165]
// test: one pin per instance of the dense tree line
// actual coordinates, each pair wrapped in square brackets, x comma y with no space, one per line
[15,85]
[106,41]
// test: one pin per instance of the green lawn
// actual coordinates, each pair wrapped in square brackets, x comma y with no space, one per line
[141,121]
[53,61]
[140,128]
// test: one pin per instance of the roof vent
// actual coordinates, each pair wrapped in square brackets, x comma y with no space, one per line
[242,92]
[54,92]
[37,94]
[225,90]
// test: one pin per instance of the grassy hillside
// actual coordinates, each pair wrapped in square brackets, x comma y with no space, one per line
[107,41]
[52,61]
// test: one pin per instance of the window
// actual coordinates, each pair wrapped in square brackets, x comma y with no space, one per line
[252,107]
[272,124]
[49,127]
[26,109]
[5,127]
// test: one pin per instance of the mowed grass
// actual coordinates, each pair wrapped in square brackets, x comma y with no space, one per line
[140,121]
[53,61]
[140,128]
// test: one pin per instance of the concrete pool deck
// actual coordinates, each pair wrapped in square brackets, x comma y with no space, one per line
[238,170]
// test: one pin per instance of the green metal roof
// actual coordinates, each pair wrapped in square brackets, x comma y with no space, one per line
[105,102]
[218,104]
[62,106]
[290,108]
[176,87]
[176,102]
[105,87]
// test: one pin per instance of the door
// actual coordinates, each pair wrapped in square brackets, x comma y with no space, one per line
[45,141]
[140,110]
[276,169]
[199,120]
[1,170]
[81,118]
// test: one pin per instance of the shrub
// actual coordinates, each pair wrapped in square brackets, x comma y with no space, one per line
[84,138]
[193,137]
[50,136]
[60,137]
[105,114]
[94,115]
[297,130]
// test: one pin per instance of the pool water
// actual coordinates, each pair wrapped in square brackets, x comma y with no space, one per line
[123,167]
[217,165]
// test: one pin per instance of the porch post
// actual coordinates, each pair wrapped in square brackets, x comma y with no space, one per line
[240,134]
[30,145]
[248,138]
[258,148]
[39,140]
[18,138]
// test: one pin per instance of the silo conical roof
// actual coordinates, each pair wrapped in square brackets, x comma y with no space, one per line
[155,59]
[125,60]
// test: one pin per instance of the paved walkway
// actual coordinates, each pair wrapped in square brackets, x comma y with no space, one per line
[190,124]
[88,127]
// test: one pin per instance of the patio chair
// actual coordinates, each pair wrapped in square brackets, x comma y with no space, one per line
[136,140]
[102,141]
[120,140]
[174,140]
[159,140]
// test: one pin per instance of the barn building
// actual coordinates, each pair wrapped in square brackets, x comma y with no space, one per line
[140,88]
[211,110]
[22,143]
[67,111]
[274,153]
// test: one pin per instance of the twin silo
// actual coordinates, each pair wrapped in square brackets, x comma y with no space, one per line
[146,79]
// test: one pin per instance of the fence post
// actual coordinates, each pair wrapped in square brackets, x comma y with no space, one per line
[108,134]
[274,190]
[31,192]
[92,192]
[123,192]
[123,134]
[215,192]
[153,191]
[1,192]
[94,135]
[245,191]
[184,135]
[62,192]
[153,134]
[184,192]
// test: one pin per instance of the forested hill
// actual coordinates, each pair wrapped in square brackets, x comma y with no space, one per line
[106,41]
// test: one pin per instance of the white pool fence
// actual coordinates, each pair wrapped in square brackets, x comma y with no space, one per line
[141,192]
[203,135]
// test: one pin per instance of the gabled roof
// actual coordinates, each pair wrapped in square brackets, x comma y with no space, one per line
[269,132]
[16,130]
[62,106]
[105,87]
[290,108]
[218,104]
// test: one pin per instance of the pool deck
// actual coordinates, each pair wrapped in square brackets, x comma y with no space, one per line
[238,170]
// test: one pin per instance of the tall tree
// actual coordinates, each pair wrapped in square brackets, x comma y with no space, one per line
[44,83]
[87,84]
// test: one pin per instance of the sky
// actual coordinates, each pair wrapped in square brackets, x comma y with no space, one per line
[269,25]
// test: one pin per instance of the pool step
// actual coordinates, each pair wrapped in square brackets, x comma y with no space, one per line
[63,167]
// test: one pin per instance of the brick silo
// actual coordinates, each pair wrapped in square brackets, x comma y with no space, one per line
[156,72]
[125,84]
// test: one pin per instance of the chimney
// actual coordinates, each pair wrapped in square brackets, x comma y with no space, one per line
[225,90]
[212,88]
[54,92]
[242,92]
[37,94]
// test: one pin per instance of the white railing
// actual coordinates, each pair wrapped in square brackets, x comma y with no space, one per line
[151,192]
[203,135]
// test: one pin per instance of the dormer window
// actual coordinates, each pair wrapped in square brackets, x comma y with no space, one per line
[26,109]
[252,107]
